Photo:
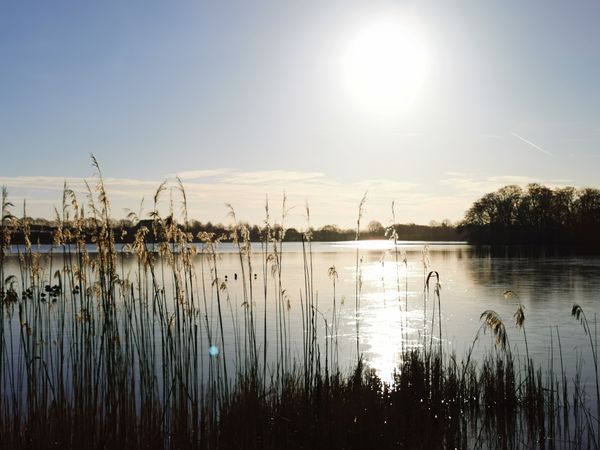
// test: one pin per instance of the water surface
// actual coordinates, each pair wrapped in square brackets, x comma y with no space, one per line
[391,282]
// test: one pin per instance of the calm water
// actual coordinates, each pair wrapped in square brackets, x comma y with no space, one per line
[472,281]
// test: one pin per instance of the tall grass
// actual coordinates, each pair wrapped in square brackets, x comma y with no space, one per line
[144,347]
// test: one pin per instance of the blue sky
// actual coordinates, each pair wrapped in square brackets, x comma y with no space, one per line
[247,99]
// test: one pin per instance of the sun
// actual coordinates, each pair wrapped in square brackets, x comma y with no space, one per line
[385,66]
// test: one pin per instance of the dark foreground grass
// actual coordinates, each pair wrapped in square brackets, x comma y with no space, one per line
[92,357]
[428,405]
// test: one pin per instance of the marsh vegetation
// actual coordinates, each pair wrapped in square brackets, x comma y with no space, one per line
[160,356]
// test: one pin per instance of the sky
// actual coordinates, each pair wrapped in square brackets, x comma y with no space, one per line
[246,101]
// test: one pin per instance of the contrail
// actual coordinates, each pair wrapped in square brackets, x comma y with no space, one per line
[527,141]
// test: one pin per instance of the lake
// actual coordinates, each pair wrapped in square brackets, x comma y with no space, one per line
[472,280]
[391,297]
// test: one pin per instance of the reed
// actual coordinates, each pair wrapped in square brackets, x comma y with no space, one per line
[144,346]
[358,276]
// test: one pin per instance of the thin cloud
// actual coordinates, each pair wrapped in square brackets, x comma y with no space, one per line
[527,141]
[270,177]
[331,201]
[235,176]
[198,174]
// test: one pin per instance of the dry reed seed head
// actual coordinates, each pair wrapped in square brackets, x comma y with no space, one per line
[332,272]
[223,286]
[231,212]
[5,203]
[308,235]
[307,210]
[206,237]
[425,256]
[361,210]
[432,274]
[132,217]
[161,188]
[391,233]
[519,316]
[493,321]
[233,235]
[245,233]
[576,311]
[10,280]
[286,298]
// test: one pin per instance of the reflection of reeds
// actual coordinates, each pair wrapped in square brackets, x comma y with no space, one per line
[93,356]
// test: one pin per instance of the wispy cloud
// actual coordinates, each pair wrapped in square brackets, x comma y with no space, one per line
[331,200]
[198,174]
[235,176]
[270,177]
[532,144]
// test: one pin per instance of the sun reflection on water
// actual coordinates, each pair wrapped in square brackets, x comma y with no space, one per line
[391,316]
[383,340]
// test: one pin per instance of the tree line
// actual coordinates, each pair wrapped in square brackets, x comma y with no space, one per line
[536,215]
[42,231]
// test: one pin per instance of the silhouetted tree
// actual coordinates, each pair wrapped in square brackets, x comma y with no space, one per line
[538,215]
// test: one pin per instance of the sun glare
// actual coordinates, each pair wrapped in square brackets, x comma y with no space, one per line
[385,65]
